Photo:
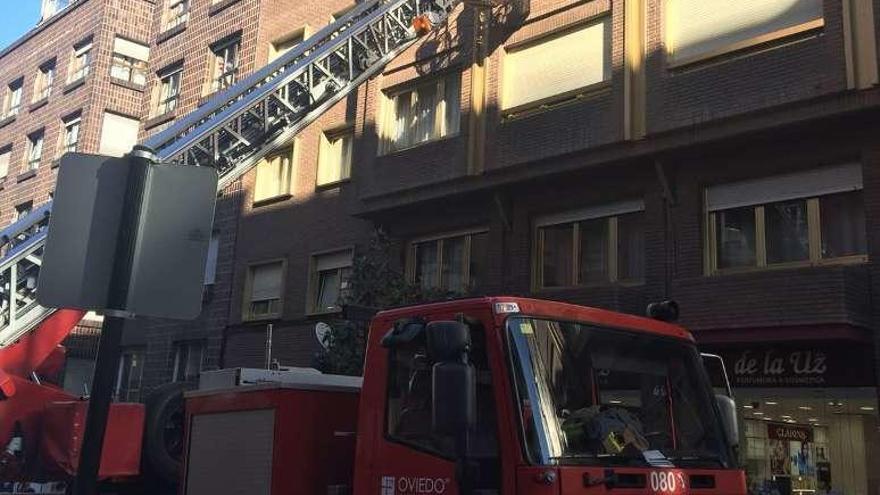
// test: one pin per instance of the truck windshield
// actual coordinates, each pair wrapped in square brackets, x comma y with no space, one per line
[589,395]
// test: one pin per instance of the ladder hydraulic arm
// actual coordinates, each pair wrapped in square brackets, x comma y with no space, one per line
[235,129]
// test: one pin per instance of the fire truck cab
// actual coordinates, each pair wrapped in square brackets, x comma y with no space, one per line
[503,395]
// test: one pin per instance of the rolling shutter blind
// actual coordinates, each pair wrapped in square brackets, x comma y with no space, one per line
[698,27]
[333,261]
[131,49]
[593,212]
[558,64]
[118,134]
[266,282]
[818,182]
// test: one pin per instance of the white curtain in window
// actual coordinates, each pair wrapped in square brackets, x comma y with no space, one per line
[131,49]
[557,64]
[811,183]
[273,177]
[698,27]
[266,282]
[334,161]
[118,134]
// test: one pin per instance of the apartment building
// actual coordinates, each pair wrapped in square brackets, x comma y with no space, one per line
[613,154]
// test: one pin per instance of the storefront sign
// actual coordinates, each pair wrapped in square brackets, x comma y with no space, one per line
[786,366]
[781,431]
[791,451]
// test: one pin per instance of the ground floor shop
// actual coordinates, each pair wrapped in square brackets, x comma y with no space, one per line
[808,416]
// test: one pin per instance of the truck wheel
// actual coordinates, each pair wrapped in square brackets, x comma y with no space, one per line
[163,432]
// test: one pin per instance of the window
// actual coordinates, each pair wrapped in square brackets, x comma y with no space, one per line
[558,66]
[169,89]
[263,290]
[82,60]
[176,14]
[409,405]
[35,150]
[334,158]
[130,375]
[703,28]
[329,278]
[188,360]
[5,156]
[339,13]
[455,263]
[211,261]
[593,246]
[12,104]
[118,134]
[224,64]
[427,112]
[281,46]
[794,219]
[129,61]
[273,176]
[70,136]
[43,82]
[24,209]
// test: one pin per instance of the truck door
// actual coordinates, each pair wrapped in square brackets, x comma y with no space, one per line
[414,460]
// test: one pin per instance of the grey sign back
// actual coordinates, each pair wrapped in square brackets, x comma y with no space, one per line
[163,273]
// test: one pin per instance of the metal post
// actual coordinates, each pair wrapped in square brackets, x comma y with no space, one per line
[269,346]
[111,331]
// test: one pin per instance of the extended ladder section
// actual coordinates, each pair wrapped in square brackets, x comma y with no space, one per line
[239,126]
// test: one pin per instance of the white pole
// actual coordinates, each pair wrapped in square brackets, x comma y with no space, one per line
[268,346]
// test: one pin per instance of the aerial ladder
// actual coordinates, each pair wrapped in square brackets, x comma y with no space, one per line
[231,133]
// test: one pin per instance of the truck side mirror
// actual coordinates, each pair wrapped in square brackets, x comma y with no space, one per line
[727,406]
[453,378]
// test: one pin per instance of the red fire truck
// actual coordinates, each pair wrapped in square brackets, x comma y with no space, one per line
[484,395]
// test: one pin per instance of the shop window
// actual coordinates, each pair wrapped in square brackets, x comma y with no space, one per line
[35,149]
[263,292]
[188,360]
[424,113]
[175,14]
[455,263]
[70,133]
[81,61]
[557,67]
[43,81]
[130,375]
[789,220]
[699,29]
[129,61]
[334,158]
[408,407]
[168,94]
[283,45]
[593,246]
[223,64]
[329,280]
[274,175]
[12,102]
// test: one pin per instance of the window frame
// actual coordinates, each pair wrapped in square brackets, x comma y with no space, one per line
[171,20]
[140,353]
[326,140]
[36,141]
[274,53]
[44,80]
[5,150]
[612,217]
[67,123]
[132,65]
[814,235]
[411,252]
[247,299]
[286,190]
[80,60]
[216,75]
[566,96]
[388,111]
[168,104]
[313,290]
[188,344]
[14,93]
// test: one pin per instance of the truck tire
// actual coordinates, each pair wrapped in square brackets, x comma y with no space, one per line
[163,433]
